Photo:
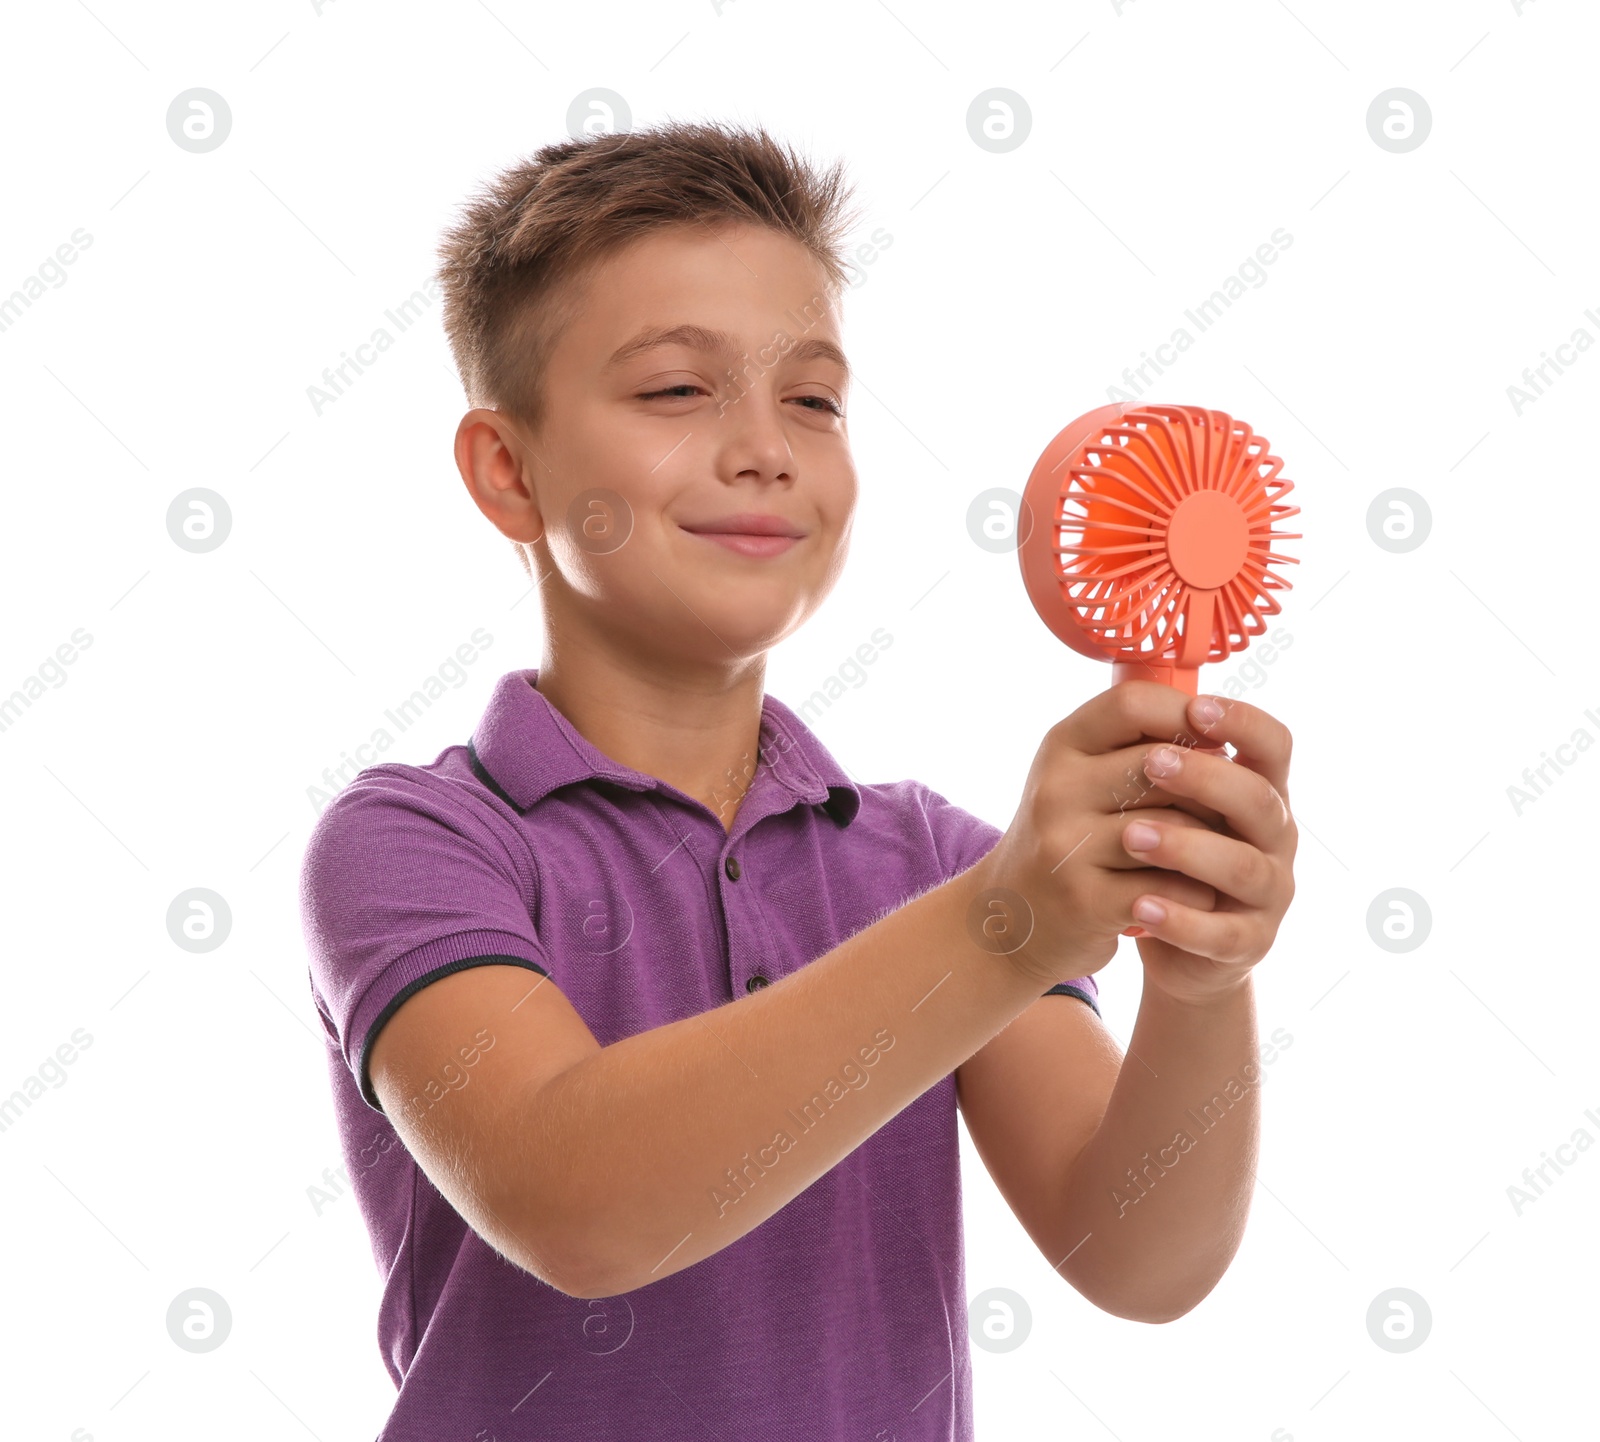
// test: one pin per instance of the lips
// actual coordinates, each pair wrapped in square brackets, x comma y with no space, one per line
[748,544]
[747,523]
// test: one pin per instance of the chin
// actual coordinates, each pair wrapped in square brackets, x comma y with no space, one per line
[746,619]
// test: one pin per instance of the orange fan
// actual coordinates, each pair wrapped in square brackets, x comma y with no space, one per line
[1146,538]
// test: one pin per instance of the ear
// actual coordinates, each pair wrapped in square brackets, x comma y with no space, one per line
[497,461]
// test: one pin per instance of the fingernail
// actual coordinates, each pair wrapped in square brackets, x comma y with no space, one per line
[1164,761]
[1140,837]
[1147,910]
[1208,709]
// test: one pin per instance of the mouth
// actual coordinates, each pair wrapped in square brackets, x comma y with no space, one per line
[747,543]
[750,533]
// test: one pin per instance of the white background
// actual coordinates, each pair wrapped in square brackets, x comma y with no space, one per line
[1167,143]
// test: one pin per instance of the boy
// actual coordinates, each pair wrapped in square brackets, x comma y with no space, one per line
[647,1027]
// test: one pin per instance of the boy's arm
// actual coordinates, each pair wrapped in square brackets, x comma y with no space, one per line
[604,1169]
[1140,1194]
[1132,1176]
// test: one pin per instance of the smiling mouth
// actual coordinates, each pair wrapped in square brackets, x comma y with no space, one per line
[747,543]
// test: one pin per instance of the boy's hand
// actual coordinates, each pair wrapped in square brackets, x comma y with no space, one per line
[1196,954]
[1058,888]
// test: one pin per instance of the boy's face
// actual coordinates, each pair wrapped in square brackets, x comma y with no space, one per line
[643,445]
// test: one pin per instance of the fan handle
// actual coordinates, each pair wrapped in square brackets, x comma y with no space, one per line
[1168,673]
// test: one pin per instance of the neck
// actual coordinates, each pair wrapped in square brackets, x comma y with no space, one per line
[698,730]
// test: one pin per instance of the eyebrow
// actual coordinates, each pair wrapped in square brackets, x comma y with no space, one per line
[714,342]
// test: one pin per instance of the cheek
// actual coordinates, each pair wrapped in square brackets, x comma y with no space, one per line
[616,501]
[605,536]
[836,491]
[624,579]
[596,524]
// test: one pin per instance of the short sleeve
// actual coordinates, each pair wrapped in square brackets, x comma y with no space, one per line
[962,841]
[406,879]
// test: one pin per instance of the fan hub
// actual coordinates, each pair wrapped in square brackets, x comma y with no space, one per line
[1208,538]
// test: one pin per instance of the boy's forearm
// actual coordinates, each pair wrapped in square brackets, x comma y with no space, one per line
[670,1145]
[1157,1200]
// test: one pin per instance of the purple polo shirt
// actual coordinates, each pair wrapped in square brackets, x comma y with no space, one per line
[843,1315]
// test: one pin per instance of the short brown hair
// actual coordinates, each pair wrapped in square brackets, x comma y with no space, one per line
[510,261]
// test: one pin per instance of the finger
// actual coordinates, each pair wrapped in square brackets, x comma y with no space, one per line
[1125,714]
[1261,742]
[1230,938]
[1247,799]
[1099,843]
[1133,789]
[1235,868]
[1116,854]
[1173,886]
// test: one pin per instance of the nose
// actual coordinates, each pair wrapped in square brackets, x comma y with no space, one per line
[753,438]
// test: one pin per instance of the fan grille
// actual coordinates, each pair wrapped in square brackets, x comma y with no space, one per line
[1163,535]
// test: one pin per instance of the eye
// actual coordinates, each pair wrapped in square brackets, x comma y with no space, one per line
[828,403]
[668,390]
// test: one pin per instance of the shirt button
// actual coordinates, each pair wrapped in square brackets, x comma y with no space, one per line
[755,981]
[731,866]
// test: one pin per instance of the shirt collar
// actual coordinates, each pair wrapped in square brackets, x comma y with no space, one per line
[524,748]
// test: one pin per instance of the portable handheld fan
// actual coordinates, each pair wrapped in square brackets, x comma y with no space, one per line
[1146,538]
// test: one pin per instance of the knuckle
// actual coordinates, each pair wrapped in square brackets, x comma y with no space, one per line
[1123,701]
[1249,874]
[1052,846]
